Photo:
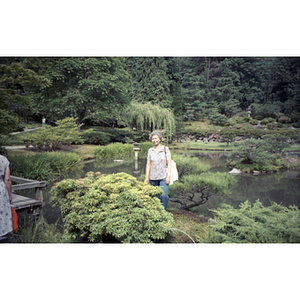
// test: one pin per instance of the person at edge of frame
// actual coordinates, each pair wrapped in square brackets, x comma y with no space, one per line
[5,200]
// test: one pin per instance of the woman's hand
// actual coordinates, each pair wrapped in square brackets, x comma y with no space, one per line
[168,179]
[146,180]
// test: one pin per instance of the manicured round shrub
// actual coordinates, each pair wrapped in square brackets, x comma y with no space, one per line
[266,121]
[284,119]
[96,138]
[253,121]
[115,205]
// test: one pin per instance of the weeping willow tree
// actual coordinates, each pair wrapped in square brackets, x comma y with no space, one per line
[150,116]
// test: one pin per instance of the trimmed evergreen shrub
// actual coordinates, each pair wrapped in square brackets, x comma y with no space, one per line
[266,121]
[255,223]
[284,119]
[105,137]
[51,138]
[236,120]
[195,185]
[96,137]
[253,121]
[115,205]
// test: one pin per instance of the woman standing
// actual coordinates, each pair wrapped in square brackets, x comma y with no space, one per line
[158,168]
[5,198]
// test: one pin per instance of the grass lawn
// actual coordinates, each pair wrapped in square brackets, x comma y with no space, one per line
[202,146]
[84,151]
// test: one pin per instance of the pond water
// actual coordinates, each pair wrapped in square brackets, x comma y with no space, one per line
[282,187]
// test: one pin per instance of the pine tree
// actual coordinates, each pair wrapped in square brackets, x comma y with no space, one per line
[177,100]
[153,84]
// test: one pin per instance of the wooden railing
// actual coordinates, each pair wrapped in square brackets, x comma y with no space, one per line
[20,202]
[26,184]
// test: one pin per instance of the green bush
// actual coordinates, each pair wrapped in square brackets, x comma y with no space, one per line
[3,141]
[239,126]
[244,115]
[251,151]
[112,150]
[253,121]
[284,119]
[256,224]
[266,121]
[105,137]
[115,205]
[145,146]
[260,154]
[43,166]
[236,120]
[96,137]
[219,119]
[122,136]
[199,132]
[277,143]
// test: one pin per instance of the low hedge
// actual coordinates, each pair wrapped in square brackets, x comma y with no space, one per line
[97,137]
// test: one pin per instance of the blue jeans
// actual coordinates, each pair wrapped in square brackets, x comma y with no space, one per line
[165,187]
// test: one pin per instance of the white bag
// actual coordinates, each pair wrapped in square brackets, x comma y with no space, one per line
[174,172]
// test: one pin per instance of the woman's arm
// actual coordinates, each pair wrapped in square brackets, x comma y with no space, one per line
[169,170]
[7,182]
[148,166]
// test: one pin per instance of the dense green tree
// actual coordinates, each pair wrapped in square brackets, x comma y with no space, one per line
[251,151]
[98,88]
[219,119]
[226,92]
[227,136]
[227,85]
[80,85]
[14,98]
[152,82]
[177,100]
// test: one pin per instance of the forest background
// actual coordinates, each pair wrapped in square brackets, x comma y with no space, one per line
[99,90]
[60,85]
[124,28]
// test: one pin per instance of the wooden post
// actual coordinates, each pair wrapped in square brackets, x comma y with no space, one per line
[39,196]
